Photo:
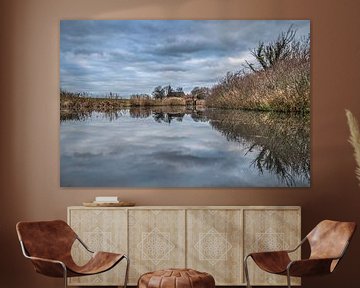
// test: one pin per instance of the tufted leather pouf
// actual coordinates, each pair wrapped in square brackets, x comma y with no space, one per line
[176,278]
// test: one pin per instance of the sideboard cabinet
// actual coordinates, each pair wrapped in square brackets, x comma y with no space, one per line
[211,239]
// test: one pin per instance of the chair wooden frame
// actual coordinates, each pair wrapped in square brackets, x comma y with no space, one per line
[315,265]
[55,264]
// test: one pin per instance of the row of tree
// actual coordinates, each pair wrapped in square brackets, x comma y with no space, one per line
[167,91]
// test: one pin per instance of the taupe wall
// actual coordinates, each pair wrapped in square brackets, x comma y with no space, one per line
[29,111]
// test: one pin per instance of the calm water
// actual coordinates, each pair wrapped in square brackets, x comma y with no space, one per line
[176,147]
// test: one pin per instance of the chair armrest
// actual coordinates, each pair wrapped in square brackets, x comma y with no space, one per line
[280,251]
[48,267]
[298,246]
[269,252]
[309,267]
[45,260]
[84,245]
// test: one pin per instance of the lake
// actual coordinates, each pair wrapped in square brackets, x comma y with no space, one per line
[183,147]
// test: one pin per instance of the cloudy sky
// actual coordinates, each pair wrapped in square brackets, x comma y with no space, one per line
[134,56]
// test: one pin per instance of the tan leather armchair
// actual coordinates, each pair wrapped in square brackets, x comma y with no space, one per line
[328,242]
[48,245]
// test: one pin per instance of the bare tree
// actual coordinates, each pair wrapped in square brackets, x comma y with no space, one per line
[167,90]
[158,92]
[267,55]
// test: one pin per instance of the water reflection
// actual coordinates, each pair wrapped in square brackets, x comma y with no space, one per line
[274,144]
[282,141]
[111,115]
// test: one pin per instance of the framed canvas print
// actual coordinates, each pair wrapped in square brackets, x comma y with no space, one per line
[180,103]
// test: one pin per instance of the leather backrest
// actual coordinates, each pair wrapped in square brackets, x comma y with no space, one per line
[46,239]
[329,238]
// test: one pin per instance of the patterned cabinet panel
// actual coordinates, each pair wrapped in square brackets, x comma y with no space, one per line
[210,239]
[267,230]
[156,240]
[101,230]
[214,244]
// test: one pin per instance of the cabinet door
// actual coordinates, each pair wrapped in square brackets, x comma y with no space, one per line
[156,240]
[270,230]
[214,244]
[101,230]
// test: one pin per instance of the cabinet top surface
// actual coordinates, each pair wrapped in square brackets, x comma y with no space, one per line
[192,207]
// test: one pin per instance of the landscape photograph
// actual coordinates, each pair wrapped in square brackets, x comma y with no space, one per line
[185,103]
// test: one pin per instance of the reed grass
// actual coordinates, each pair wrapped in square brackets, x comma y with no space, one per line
[285,87]
[144,100]
[76,103]
[174,101]
[81,103]
[279,80]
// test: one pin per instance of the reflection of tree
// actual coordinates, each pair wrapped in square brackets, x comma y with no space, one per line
[83,115]
[198,116]
[140,112]
[281,141]
[168,117]
[269,161]
[113,115]
[75,116]
[160,114]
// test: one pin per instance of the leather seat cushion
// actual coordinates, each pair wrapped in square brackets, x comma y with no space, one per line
[176,278]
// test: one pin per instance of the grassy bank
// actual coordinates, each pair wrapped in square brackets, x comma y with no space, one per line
[94,104]
[81,102]
[277,80]
[285,87]
[149,101]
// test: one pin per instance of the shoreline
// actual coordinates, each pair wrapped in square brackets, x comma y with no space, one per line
[73,104]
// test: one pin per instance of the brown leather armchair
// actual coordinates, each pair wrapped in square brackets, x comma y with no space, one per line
[48,245]
[328,242]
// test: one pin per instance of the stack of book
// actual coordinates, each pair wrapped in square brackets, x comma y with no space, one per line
[106,199]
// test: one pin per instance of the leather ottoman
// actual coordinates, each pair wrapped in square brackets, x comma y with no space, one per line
[176,278]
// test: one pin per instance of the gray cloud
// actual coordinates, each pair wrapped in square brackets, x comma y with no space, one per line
[134,56]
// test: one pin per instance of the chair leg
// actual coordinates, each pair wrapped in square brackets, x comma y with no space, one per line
[65,276]
[288,278]
[246,270]
[126,271]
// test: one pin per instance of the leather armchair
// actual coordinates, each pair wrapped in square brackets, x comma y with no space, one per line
[328,242]
[48,245]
